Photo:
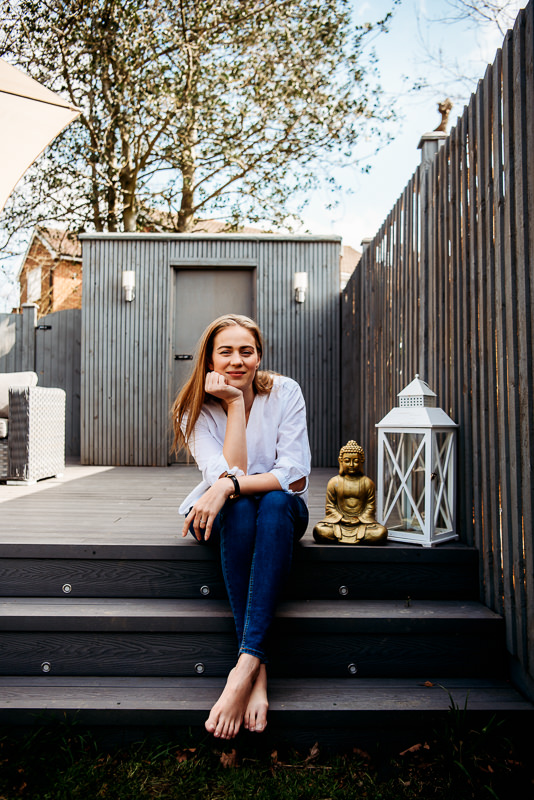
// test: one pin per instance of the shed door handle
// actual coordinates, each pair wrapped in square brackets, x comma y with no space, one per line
[183,357]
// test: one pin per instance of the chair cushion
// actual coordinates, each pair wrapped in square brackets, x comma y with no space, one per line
[9,379]
[3,428]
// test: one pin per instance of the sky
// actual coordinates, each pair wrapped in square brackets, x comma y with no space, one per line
[365,198]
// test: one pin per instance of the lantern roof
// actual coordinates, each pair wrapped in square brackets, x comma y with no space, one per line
[417,393]
[417,409]
[416,417]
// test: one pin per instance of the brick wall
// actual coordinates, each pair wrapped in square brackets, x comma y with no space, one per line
[67,285]
[61,280]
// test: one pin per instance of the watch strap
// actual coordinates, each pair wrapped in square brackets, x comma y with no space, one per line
[237,489]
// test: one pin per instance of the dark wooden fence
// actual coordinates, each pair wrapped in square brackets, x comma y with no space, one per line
[49,346]
[446,290]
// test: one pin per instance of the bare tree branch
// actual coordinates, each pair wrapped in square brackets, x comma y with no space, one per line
[183,102]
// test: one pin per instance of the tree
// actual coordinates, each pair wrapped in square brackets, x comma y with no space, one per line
[498,13]
[189,107]
[488,19]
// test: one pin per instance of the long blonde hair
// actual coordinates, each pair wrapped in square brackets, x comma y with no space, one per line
[192,397]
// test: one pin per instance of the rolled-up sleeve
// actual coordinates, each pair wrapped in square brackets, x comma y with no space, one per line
[293,458]
[206,449]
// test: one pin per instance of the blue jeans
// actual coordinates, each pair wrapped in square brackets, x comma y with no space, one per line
[257,534]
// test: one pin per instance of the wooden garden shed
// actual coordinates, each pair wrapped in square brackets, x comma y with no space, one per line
[136,353]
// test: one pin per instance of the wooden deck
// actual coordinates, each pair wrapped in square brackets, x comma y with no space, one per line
[109,615]
[113,505]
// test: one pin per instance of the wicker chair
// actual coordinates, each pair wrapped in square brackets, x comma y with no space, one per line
[32,429]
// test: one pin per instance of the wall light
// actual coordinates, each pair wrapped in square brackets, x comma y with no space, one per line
[300,286]
[128,285]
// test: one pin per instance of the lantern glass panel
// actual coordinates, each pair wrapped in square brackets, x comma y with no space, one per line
[404,482]
[441,463]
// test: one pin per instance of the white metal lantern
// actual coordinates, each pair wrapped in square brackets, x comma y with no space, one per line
[416,492]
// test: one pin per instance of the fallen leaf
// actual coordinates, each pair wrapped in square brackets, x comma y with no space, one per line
[229,759]
[314,752]
[361,753]
[414,748]
[185,754]
[274,757]
[428,683]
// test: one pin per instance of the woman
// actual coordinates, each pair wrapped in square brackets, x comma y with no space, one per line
[246,429]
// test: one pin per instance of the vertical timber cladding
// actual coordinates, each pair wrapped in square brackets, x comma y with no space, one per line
[57,363]
[10,342]
[301,340]
[126,347]
[209,278]
[125,352]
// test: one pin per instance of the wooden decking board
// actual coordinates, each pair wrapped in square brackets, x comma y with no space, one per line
[138,506]
[161,545]
[111,578]
[286,696]
[323,655]
[117,506]
[206,615]
[134,544]
[193,577]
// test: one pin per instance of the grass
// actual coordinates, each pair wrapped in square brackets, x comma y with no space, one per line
[63,762]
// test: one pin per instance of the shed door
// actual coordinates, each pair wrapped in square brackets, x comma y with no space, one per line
[200,296]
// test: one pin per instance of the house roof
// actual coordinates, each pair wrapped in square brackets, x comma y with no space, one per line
[60,242]
[350,259]
[216,226]
[67,244]
[156,221]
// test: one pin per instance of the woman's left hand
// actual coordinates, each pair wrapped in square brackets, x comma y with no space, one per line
[203,513]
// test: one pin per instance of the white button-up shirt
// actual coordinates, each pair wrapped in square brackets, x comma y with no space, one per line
[277,440]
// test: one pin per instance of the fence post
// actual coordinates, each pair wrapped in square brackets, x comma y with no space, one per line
[429,145]
[29,323]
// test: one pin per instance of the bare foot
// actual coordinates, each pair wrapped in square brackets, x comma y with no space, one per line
[227,714]
[256,713]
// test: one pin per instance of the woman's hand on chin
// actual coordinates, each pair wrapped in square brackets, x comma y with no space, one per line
[217,386]
[203,513]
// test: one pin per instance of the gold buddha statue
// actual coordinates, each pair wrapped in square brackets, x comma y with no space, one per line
[350,504]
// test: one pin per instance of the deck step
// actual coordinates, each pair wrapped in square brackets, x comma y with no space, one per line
[310,705]
[364,638]
[113,619]
[188,570]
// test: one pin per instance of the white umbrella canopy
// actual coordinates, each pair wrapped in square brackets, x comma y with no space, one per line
[31,116]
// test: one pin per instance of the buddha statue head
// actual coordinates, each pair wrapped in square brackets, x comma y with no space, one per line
[351,458]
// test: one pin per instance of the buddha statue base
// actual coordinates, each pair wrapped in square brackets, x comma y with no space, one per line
[350,534]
